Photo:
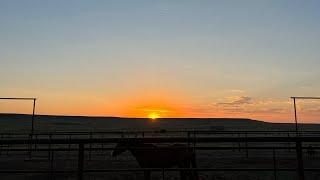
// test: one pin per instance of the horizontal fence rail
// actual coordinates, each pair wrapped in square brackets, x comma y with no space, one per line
[164,131]
[160,132]
[162,140]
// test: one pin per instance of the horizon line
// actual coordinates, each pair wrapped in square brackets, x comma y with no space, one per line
[127,117]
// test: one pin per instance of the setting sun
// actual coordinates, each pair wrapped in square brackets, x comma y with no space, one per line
[153,116]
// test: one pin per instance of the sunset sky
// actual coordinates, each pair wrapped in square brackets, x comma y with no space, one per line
[170,58]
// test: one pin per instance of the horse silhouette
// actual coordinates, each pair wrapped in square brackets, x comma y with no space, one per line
[152,156]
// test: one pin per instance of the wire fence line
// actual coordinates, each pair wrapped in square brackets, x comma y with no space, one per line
[150,133]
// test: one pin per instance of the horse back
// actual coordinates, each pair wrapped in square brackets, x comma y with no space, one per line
[163,157]
[175,153]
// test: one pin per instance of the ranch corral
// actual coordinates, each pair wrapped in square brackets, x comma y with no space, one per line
[227,155]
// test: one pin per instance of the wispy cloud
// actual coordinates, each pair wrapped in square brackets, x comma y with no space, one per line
[267,110]
[236,90]
[315,110]
[246,106]
[271,109]
[237,100]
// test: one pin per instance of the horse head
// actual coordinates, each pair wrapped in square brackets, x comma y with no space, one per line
[122,146]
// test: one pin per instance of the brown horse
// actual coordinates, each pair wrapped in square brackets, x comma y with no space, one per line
[151,156]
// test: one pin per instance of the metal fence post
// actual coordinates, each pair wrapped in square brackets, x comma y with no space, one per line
[51,166]
[300,169]
[239,143]
[33,111]
[247,151]
[274,164]
[90,146]
[80,161]
[194,142]
[1,144]
[69,143]
[289,143]
[102,136]
[163,175]
[50,137]
[30,147]
[35,145]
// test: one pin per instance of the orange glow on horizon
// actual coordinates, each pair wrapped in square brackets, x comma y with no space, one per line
[159,103]
[153,116]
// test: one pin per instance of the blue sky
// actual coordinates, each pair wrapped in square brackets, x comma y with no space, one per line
[104,57]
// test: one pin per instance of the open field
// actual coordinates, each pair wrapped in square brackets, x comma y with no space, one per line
[44,123]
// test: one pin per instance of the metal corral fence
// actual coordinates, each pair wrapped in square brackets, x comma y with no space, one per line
[157,133]
[152,133]
[83,145]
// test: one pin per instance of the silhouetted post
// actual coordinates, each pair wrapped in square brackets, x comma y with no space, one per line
[289,143]
[295,109]
[32,125]
[233,146]
[1,144]
[33,111]
[90,146]
[163,175]
[274,164]
[80,161]
[30,147]
[69,143]
[194,142]
[295,115]
[300,169]
[247,151]
[51,166]
[50,137]
[102,136]
[35,145]
[239,143]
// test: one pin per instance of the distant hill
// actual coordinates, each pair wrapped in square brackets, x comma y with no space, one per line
[22,122]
